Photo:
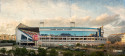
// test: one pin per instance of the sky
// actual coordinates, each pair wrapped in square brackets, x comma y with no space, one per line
[58,13]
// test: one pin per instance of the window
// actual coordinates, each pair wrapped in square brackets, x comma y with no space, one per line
[95,38]
[80,38]
[51,38]
[84,38]
[76,38]
[23,37]
[64,38]
[101,39]
[72,38]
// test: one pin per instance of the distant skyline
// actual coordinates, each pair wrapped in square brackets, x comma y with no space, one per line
[86,13]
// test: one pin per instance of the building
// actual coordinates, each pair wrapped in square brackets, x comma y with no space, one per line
[7,37]
[55,36]
[119,37]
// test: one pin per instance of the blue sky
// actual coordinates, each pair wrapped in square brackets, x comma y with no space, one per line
[86,13]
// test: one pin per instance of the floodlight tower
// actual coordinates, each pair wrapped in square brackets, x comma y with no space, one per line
[41,24]
[72,24]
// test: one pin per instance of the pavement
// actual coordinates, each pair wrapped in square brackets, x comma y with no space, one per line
[7,47]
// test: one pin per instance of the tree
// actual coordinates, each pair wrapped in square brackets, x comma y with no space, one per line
[24,51]
[118,45]
[3,51]
[79,53]
[10,52]
[68,53]
[93,54]
[41,52]
[101,46]
[31,53]
[20,52]
[16,52]
[53,52]
[78,44]
[97,53]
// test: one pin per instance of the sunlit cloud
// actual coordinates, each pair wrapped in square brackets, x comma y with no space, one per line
[59,14]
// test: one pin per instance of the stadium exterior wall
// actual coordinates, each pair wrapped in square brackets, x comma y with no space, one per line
[59,40]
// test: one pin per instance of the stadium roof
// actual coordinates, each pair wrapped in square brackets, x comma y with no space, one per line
[66,28]
[22,26]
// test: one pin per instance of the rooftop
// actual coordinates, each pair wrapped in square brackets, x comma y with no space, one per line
[66,28]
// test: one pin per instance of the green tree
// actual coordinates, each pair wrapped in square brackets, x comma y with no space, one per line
[24,51]
[68,53]
[53,52]
[78,44]
[20,52]
[79,53]
[3,51]
[31,53]
[93,54]
[98,53]
[16,52]
[10,52]
[41,52]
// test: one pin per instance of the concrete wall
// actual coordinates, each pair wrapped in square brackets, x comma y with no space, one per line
[71,43]
[65,43]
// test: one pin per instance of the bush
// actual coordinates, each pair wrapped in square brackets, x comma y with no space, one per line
[9,52]
[98,53]
[53,52]
[79,53]
[68,53]
[78,44]
[41,52]
[31,53]
[3,50]
[20,52]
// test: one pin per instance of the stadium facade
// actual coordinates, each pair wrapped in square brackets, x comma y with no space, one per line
[55,36]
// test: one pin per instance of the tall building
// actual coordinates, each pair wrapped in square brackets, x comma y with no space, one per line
[55,36]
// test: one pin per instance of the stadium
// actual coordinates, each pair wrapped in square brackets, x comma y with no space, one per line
[56,36]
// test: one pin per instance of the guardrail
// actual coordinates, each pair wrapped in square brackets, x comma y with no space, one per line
[6,44]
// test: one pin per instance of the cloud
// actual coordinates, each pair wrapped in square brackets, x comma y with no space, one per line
[57,21]
[121,23]
[105,19]
[8,26]
[31,12]
[117,10]
[39,10]
[110,29]
[118,25]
